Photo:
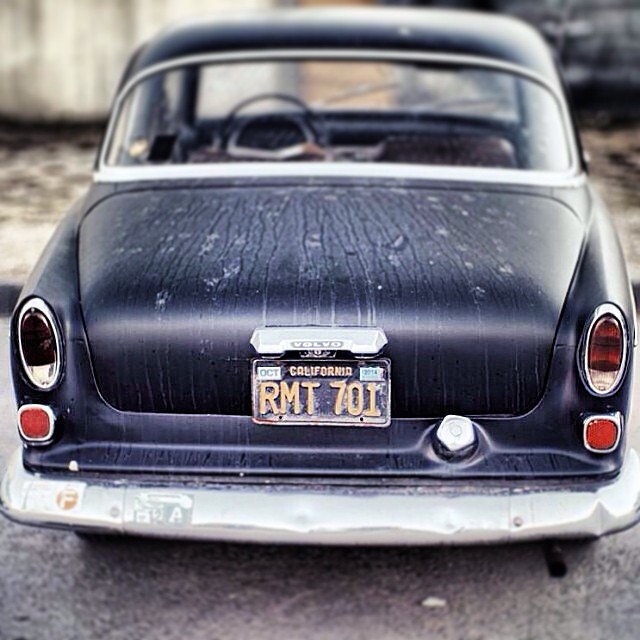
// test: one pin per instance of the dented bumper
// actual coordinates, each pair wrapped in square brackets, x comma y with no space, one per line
[445,513]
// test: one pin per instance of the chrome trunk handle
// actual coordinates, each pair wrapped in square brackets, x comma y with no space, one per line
[365,341]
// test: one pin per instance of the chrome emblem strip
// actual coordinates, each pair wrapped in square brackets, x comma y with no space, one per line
[367,341]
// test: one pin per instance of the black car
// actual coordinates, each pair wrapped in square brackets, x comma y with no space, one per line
[340,278]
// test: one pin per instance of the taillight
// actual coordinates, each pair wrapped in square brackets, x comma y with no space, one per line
[39,344]
[604,351]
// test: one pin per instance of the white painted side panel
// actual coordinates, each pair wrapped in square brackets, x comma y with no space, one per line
[62,59]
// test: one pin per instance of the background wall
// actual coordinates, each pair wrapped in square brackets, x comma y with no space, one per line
[62,59]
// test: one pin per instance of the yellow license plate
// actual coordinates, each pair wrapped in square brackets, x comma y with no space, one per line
[340,392]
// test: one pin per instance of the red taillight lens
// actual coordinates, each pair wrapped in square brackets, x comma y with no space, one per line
[36,422]
[37,339]
[605,354]
[601,433]
[39,344]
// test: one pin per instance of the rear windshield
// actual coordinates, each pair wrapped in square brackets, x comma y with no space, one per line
[340,111]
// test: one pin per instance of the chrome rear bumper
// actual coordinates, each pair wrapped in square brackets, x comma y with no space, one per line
[318,514]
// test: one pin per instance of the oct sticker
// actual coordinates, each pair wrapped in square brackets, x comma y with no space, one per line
[269,373]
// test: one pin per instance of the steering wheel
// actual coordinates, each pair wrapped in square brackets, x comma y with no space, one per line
[231,133]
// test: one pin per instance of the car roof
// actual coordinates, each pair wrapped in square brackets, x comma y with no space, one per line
[455,32]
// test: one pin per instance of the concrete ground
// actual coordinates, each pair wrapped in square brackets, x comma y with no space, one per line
[615,168]
[54,585]
[41,173]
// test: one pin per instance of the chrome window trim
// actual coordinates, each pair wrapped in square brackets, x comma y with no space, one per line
[601,310]
[52,419]
[40,305]
[395,171]
[613,417]
[105,172]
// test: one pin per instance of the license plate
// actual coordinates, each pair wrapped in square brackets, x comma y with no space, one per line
[340,392]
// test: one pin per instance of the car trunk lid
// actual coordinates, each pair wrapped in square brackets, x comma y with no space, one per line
[467,284]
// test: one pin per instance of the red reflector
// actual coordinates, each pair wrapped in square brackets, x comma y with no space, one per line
[36,422]
[601,434]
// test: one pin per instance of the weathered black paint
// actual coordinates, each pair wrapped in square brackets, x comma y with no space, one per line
[544,442]
[467,285]
[445,32]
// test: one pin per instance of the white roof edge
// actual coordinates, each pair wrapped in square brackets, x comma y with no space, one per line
[390,171]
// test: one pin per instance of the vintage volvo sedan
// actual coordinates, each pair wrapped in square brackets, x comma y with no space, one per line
[340,278]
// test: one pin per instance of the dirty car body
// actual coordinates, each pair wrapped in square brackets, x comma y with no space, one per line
[340,278]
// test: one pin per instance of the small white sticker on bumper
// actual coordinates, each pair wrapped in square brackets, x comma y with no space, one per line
[171,509]
[53,497]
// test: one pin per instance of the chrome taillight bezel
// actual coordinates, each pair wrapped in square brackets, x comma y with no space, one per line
[38,304]
[599,312]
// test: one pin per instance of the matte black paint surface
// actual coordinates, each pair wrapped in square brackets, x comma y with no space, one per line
[468,286]
[440,31]
[546,442]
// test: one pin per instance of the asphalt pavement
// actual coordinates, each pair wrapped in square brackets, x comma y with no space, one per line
[54,585]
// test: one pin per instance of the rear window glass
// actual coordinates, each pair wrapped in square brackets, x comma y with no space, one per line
[341,111]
